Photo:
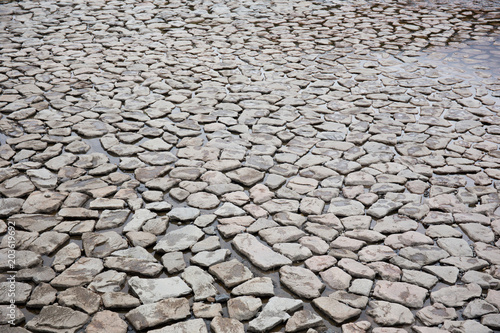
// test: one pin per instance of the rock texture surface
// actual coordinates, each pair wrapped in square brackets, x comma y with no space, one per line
[239,166]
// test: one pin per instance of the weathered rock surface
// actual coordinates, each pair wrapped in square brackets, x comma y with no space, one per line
[154,290]
[259,254]
[164,311]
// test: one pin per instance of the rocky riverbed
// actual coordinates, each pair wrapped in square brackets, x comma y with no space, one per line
[249,166]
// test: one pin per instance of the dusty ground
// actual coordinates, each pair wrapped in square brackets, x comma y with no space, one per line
[235,166]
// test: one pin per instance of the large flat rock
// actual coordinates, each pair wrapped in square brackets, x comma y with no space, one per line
[154,290]
[164,311]
[259,254]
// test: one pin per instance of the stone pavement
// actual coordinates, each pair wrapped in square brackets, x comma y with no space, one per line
[233,166]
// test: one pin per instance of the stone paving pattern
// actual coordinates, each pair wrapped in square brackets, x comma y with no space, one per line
[232,166]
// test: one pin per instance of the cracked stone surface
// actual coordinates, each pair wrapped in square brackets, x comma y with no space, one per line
[320,166]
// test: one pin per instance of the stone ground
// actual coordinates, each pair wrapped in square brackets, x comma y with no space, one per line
[232,166]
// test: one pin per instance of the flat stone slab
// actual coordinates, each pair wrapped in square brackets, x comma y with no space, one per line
[336,310]
[231,273]
[107,321]
[259,254]
[259,286]
[180,239]
[200,281]
[81,272]
[407,294]
[58,319]
[274,312]
[302,320]
[301,281]
[188,326]
[133,265]
[456,295]
[281,234]
[389,314]
[436,314]
[164,311]
[81,298]
[154,290]
[243,307]
[245,176]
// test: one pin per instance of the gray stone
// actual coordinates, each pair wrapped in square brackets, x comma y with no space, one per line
[477,308]
[293,251]
[48,242]
[302,320]
[231,273]
[485,280]
[108,281]
[244,307]
[274,312]
[226,325]
[488,252]
[259,286]
[456,295]
[478,232]
[43,202]
[203,310]
[203,200]
[107,321]
[22,292]
[188,326]
[119,300]
[173,262]
[301,281]
[209,258]
[376,253]
[246,176]
[491,320]
[419,278]
[383,207]
[67,255]
[345,207]
[179,239]
[10,206]
[80,298]
[436,314]
[424,254]
[200,281]
[154,290]
[101,245]
[43,294]
[336,278]
[139,218]
[259,254]
[36,274]
[407,294]
[281,234]
[133,265]
[455,247]
[395,224]
[389,314]
[184,213]
[336,310]
[448,274]
[81,272]
[164,311]
[58,319]
[110,219]
[465,326]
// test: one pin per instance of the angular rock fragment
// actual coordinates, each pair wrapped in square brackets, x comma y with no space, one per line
[259,254]
[154,290]
[164,311]
[336,310]
[54,318]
